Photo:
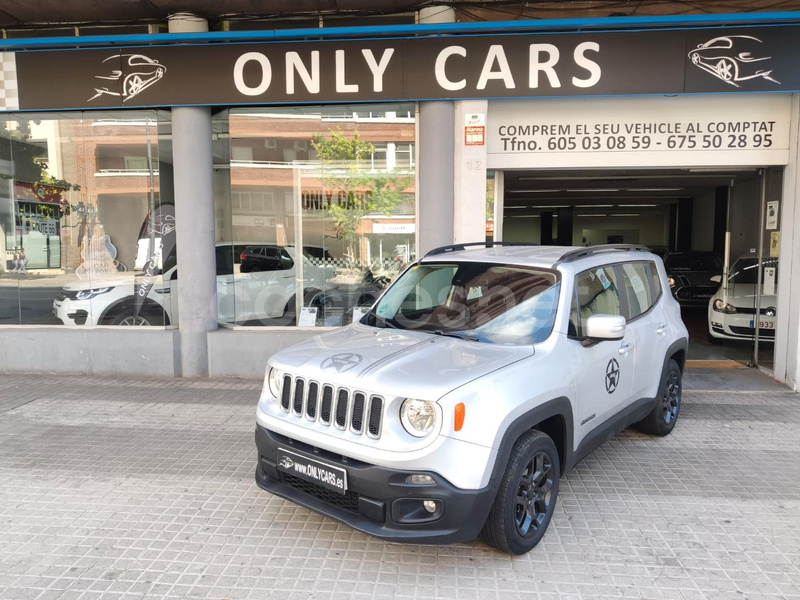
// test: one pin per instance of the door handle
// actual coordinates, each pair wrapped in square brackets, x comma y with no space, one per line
[662,329]
[623,350]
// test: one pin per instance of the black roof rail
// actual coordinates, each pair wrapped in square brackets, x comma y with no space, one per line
[456,247]
[574,255]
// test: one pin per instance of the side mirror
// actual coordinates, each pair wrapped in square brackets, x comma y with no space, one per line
[716,279]
[605,327]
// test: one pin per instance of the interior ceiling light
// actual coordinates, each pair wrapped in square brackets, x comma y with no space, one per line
[594,190]
[597,215]
[594,206]
[638,205]
[625,215]
[661,189]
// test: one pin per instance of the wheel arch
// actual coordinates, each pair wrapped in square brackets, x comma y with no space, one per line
[553,418]
[129,303]
[676,352]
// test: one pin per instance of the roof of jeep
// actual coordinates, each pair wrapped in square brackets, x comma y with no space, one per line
[539,256]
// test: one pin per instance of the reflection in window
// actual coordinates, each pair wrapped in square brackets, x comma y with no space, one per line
[337,182]
[75,194]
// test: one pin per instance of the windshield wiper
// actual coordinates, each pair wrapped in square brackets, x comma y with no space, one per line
[457,334]
[383,323]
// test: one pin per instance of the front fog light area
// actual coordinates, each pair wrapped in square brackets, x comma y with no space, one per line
[420,479]
[417,510]
[418,416]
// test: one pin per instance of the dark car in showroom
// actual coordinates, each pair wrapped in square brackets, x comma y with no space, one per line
[265,258]
[690,274]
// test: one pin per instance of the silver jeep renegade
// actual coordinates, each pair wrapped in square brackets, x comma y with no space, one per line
[482,375]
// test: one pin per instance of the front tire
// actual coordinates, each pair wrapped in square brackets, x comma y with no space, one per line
[147,317]
[662,418]
[527,496]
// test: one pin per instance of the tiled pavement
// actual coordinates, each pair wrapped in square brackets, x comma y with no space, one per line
[130,489]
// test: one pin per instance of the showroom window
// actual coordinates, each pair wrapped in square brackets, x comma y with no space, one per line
[317,207]
[81,219]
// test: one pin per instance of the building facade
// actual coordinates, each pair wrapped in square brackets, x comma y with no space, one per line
[289,175]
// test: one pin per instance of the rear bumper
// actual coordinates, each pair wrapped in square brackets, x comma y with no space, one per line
[378,501]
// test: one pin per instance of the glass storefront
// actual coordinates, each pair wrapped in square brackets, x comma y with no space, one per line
[76,190]
[320,199]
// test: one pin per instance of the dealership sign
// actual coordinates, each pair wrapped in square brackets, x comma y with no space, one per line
[688,131]
[432,67]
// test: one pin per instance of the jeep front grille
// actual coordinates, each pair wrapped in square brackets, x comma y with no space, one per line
[340,408]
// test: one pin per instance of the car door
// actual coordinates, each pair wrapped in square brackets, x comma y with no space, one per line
[648,325]
[603,371]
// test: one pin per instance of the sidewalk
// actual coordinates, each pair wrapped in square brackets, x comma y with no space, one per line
[129,489]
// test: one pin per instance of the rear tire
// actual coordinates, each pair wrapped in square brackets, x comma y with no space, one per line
[527,496]
[662,418]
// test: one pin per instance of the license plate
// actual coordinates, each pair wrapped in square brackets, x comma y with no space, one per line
[764,324]
[324,475]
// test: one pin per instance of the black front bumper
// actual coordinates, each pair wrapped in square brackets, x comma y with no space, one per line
[378,501]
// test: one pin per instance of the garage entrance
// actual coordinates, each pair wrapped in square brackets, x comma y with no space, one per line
[716,229]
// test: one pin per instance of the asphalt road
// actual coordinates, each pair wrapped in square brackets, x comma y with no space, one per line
[27,305]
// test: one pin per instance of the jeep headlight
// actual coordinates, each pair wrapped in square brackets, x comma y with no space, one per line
[89,294]
[275,381]
[721,306]
[418,416]
[671,281]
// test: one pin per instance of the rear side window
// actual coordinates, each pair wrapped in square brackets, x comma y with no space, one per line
[637,288]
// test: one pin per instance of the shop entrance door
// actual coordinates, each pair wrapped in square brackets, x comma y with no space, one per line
[711,226]
[746,307]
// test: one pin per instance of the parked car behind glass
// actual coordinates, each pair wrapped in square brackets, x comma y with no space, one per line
[690,275]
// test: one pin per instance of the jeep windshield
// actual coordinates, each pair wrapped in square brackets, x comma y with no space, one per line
[484,302]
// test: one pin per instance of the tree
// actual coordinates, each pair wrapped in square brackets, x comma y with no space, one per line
[355,189]
[30,168]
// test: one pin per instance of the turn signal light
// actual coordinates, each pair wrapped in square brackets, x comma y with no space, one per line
[461,412]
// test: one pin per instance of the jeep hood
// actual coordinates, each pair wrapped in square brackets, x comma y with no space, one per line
[395,362]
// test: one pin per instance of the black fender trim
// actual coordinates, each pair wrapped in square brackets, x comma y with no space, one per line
[681,345]
[558,407]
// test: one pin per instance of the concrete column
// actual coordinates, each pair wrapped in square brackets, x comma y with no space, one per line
[435,159]
[194,216]
[469,202]
[787,328]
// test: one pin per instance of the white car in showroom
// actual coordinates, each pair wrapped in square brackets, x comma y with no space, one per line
[241,297]
[732,309]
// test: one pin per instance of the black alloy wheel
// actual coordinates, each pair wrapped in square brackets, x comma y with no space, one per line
[534,494]
[527,496]
[671,397]
[661,420]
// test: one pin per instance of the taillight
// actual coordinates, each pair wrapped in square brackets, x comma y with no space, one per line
[241,256]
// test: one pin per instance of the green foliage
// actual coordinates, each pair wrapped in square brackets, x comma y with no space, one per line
[29,167]
[358,190]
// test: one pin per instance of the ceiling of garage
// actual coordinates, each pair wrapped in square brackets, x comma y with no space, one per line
[531,192]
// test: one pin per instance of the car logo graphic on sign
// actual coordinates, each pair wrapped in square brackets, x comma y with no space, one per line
[341,363]
[286,462]
[612,375]
[731,59]
[143,72]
